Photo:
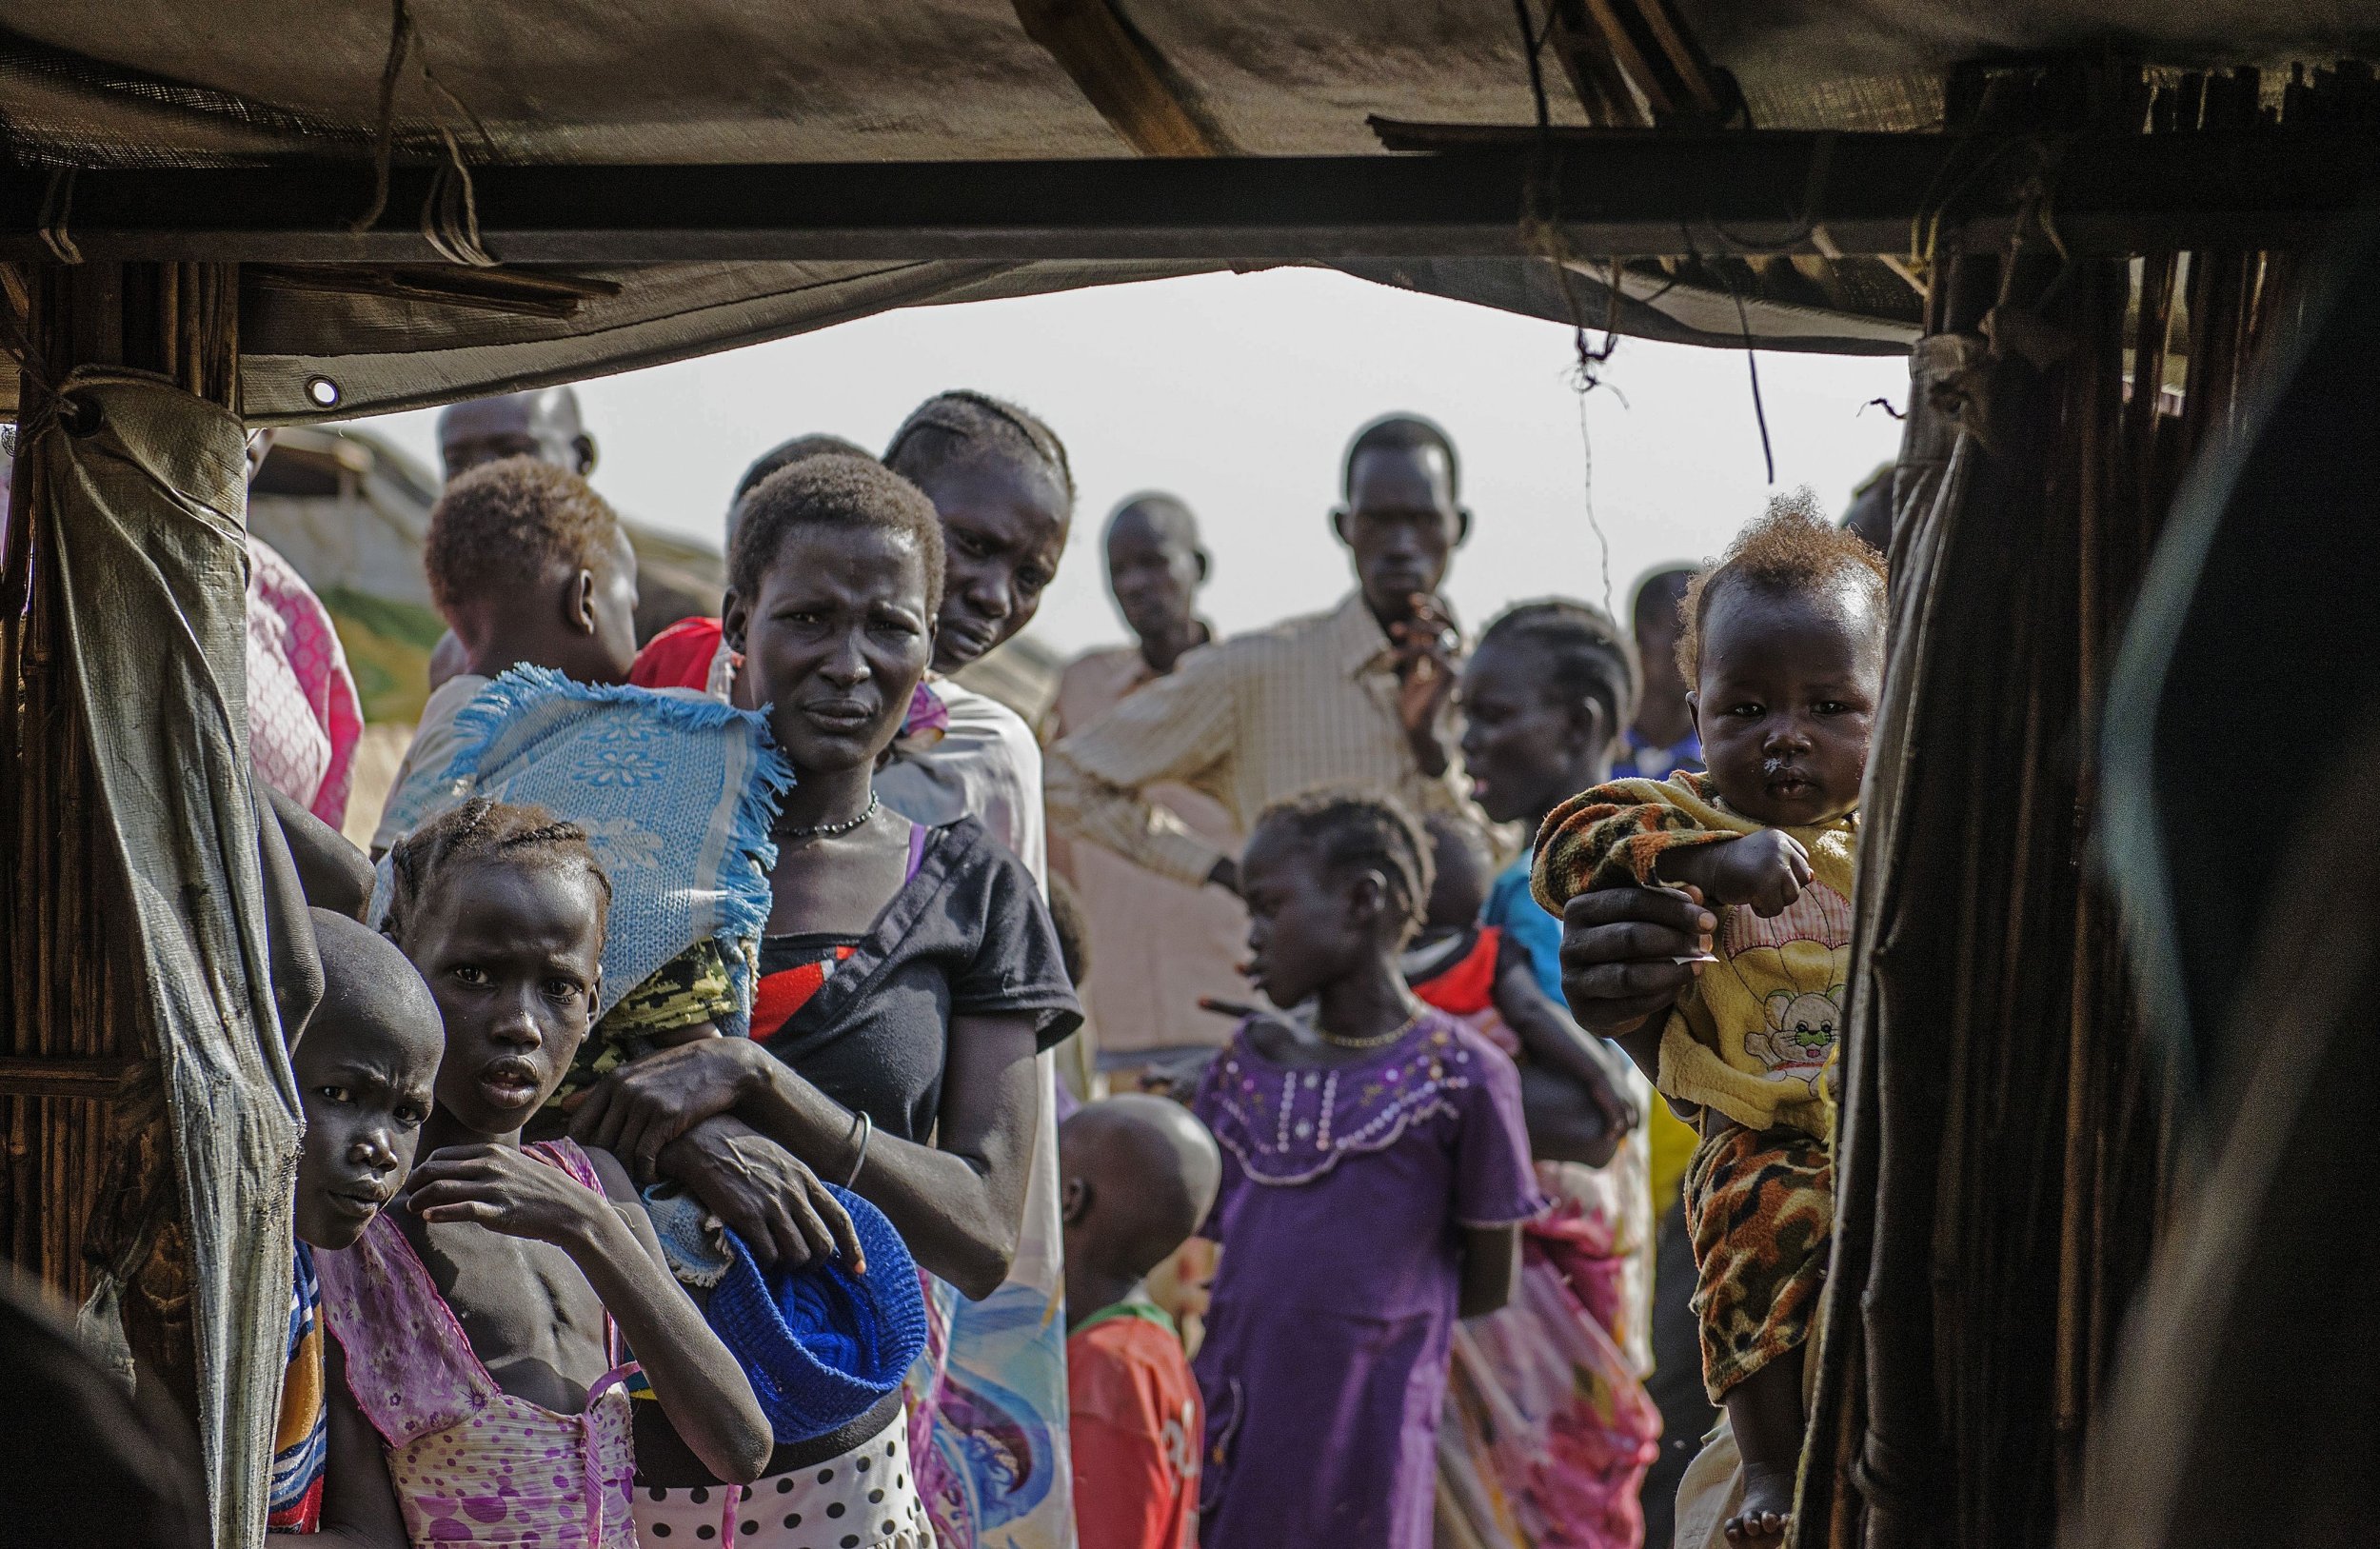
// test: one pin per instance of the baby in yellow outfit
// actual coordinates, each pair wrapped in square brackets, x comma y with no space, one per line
[1783,645]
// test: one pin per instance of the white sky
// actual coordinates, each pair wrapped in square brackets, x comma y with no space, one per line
[1239,392]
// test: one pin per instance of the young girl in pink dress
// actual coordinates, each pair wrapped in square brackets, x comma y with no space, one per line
[477,1367]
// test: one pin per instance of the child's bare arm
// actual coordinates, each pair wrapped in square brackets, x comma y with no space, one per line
[701,1389]
[1573,1089]
[291,955]
[1552,1038]
[1764,871]
[335,874]
[359,1502]
[1491,1262]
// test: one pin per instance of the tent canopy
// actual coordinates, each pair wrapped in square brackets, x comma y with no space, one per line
[148,103]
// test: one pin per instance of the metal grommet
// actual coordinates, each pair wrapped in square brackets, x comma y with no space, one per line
[321,392]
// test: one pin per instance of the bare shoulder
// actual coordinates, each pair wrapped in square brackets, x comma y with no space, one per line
[618,1186]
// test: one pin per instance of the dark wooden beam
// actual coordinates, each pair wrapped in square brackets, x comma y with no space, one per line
[1123,75]
[1641,193]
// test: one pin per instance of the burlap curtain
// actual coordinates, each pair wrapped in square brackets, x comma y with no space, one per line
[141,510]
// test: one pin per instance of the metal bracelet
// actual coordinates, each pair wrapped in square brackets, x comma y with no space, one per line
[867,1126]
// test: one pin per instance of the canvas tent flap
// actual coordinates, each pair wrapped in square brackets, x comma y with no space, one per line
[385,354]
[142,517]
[724,81]
[130,84]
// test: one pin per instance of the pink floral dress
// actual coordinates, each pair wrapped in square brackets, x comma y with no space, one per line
[472,1463]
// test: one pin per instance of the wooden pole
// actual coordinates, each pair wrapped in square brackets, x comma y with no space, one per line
[88,1178]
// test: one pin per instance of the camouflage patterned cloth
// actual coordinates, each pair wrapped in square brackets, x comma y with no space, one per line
[1760,1206]
[688,990]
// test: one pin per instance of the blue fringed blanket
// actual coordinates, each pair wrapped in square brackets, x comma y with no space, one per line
[676,792]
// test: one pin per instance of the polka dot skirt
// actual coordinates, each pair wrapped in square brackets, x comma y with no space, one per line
[864,1499]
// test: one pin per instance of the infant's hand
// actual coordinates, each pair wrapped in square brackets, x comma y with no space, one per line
[1765,871]
[504,1189]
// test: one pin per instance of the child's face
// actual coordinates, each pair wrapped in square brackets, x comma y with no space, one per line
[1306,926]
[1787,692]
[513,956]
[366,1092]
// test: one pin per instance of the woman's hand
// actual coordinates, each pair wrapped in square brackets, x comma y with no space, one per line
[1622,954]
[638,1109]
[505,1190]
[764,1194]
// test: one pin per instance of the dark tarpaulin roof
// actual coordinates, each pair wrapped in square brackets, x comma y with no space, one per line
[159,84]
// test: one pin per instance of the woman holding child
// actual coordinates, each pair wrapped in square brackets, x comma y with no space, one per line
[908,977]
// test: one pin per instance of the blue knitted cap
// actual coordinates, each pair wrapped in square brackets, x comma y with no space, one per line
[822,1345]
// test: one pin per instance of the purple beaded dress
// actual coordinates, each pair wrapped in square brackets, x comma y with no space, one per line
[1324,1366]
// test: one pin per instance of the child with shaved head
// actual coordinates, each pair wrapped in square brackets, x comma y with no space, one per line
[1140,1175]
[364,1067]
[1783,654]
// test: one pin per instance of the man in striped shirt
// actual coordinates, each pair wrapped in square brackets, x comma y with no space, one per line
[1354,696]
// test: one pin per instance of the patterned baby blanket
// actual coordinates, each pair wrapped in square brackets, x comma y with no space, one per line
[676,792]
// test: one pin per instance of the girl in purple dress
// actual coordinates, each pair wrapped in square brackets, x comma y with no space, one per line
[1375,1170]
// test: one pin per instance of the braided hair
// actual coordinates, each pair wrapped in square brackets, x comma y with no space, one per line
[954,427]
[477,832]
[1585,654]
[1359,828]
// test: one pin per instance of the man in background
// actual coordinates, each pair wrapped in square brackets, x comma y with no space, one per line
[1161,944]
[1354,696]
[542,423]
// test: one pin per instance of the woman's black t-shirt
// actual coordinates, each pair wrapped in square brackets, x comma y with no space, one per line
[968,935]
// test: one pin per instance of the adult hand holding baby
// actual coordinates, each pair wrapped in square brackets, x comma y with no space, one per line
[1627,953]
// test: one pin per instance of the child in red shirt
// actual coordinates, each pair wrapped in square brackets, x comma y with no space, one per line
[1139,1175]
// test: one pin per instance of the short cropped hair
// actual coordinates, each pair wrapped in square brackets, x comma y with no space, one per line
[1351,827]
[503,524]
[481,831]
[1793,549]
[1585,654]
[1400,433]
[960,426]
[831,491]
[785,453]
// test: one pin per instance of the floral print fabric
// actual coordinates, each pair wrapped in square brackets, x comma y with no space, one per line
[470,1463]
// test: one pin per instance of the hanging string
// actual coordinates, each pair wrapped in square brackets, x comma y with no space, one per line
[1752,366]
[1541,227]
[383,148]
[449,217]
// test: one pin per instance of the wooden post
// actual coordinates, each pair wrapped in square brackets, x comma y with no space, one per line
[87,1177]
